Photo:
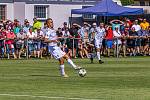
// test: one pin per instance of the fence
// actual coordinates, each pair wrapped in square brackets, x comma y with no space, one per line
[117,45]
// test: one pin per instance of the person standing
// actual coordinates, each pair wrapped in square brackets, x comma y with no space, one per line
[36,24]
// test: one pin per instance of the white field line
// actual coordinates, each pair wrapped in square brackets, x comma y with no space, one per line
[46,97]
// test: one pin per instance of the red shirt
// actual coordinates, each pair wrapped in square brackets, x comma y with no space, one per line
[109,34]
[11,36]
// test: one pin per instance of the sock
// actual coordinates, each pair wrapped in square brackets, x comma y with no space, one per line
[98,55]
[72,64]
[62,69]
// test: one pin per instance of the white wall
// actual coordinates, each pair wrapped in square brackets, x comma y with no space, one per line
[19,11]
[29,12]
[10,12]
[61,13]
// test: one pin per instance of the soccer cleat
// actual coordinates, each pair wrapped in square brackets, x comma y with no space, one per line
[65,76]
[101,62]
[78,68]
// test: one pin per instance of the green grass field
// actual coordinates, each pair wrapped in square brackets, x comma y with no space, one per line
[116,79]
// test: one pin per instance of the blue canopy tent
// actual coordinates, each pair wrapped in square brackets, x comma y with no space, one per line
[108,8]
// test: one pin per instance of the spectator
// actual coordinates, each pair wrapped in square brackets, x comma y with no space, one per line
[44,45]
[36,24]
[26,26]
[17,27]
[116,23]
[30,36]
[132,42]
[2,37]
[144,25]
[125,34]
[117,41]
[109,39]
[20,42]
[38,37]
[60,36]
[92,32]
[10,36]
[84,32]
[136,26]
[74,42]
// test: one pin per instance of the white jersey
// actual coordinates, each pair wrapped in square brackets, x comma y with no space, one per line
[51,35]
[52,47]
[99,34]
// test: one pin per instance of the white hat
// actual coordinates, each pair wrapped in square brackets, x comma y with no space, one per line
[94,24]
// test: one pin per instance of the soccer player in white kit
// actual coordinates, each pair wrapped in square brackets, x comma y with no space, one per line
[99,36]
[52,40]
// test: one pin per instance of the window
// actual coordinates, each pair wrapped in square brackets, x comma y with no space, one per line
[41,11]
[88,16]
[2,11]
[142,3]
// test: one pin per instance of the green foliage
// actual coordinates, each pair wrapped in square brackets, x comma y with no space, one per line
[127,2]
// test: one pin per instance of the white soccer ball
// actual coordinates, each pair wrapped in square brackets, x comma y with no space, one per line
[82,72]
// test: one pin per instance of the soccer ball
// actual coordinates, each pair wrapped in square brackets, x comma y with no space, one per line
[82,72]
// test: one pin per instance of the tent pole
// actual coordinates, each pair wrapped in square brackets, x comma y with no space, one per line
[105,19]
[71,21]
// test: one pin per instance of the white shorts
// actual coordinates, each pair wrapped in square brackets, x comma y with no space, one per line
[56,52]
[98,43]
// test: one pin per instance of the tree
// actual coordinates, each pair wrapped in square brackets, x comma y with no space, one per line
[127,2]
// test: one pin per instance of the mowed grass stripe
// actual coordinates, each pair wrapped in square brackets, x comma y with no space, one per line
[116,79]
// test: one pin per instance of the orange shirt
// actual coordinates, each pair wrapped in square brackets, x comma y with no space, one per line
[145,25]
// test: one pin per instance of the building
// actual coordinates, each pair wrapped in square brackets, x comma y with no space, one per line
[145,4]
[142,2]
[58,10]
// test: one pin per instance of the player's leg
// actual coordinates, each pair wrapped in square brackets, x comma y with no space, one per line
[98,44]
[62,68]
[71,62]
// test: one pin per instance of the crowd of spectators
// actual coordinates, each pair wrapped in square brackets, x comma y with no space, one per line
[122,37]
